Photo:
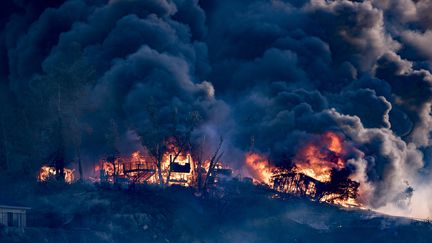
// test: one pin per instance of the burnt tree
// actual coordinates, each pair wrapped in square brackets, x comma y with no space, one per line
[59,154]
[212,163]
[160,134]
[59,95]
[112,139]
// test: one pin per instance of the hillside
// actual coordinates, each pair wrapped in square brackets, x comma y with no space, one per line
[242,213]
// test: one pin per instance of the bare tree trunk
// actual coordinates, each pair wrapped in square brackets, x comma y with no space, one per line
[114,173]
[31,151]
[76,138]
[213,162]
[194,171]
[159,168]
[172,161]
[159,158]
[199,165]
[60,156]
[4,164]
[59,160]
[199,175]
[161,179]
[81,177]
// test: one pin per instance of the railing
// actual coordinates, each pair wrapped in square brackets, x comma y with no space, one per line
[142,167]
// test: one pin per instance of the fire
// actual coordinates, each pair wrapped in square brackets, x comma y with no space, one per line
[295,183]
[178,170]
[47,172]
[334,199]
[136,168]
[317,159]
[140,168]
[318,172]
[261,169]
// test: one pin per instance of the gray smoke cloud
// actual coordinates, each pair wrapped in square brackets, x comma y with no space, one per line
[306,67]
[277,73]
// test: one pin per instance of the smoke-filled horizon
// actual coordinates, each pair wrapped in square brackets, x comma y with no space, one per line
[265,75]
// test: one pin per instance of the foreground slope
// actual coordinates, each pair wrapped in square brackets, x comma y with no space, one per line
[241,213]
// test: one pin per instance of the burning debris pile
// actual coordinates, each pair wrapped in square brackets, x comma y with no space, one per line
[318,172]
[340,190]
[50,173]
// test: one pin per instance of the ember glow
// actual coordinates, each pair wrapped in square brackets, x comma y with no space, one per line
[47,172]
[335,199]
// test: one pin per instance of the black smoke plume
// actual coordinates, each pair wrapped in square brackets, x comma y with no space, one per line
[272,74]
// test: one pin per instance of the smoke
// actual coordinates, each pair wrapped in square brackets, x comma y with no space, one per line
[306,67]
[267,75]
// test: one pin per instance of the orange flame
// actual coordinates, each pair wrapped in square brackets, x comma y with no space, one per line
[47,172]
[334,199]
[124,167]
[143,169]
[259,166]
[317,159]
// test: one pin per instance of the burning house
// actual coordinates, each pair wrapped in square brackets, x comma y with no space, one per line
[138,169]
[180,171]
[220,172]
[176,169]
[295,183]
[133,169]
[142,169]
[318,172]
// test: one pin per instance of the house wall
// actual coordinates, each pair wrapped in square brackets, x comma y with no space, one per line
[18,216]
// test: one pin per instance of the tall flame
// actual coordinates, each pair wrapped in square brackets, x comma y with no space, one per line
[318,158]
[260,167]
